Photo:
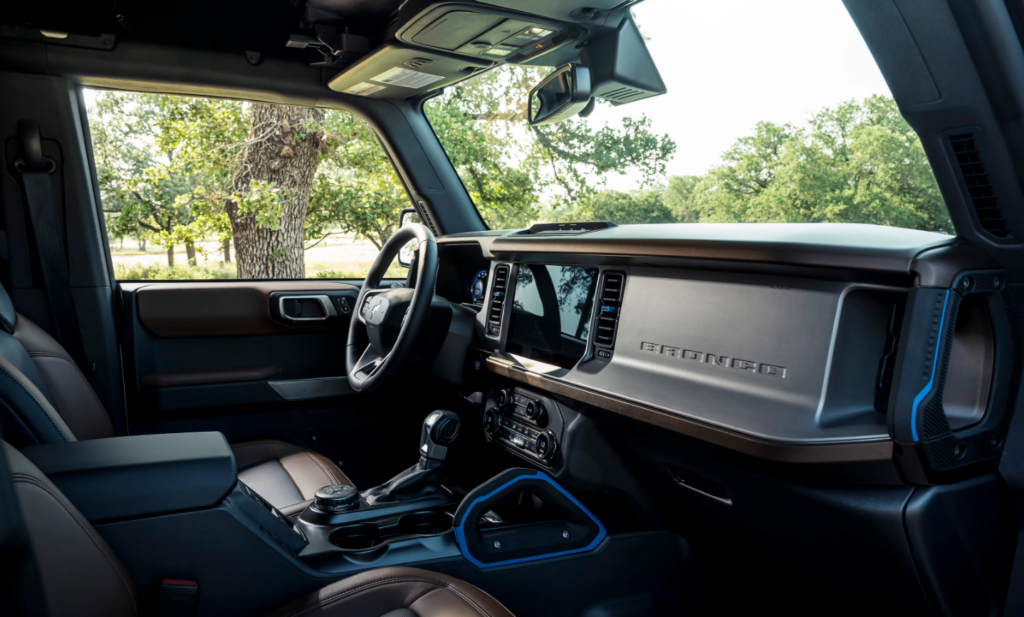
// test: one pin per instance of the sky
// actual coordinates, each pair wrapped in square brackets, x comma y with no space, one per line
[729,64]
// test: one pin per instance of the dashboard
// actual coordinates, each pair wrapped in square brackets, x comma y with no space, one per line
[793,343]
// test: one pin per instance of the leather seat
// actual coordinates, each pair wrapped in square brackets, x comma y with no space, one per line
[45,398]
[81,575]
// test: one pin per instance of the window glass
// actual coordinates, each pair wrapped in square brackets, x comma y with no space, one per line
[775,112]
[197,188]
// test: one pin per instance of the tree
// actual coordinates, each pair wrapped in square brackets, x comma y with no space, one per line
[276,176]
[507,166]
[679,198]
[855,163]
[626,208]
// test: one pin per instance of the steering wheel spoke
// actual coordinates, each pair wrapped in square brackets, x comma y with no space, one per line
[388,321]
[369,362]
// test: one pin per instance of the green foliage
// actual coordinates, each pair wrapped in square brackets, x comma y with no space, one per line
[853,164]
[626,208]
[167,164]
[508,167]
[172,273]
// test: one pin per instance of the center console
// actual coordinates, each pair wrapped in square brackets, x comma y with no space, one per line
[528,424]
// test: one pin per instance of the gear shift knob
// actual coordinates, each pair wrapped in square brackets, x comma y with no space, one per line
[439,431]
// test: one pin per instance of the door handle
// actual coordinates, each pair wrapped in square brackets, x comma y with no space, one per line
[325,304]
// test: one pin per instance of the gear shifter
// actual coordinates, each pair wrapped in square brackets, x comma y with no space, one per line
[424,478]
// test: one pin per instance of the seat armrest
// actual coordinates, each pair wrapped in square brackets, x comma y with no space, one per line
[144,475]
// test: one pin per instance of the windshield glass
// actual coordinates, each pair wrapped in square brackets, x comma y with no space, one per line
[775,112]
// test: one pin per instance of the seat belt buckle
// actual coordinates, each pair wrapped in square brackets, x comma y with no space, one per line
[178,598]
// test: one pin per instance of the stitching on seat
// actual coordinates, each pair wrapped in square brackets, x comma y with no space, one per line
[391,581]
[41,408]
[89,533]
[50,354]
[326,470]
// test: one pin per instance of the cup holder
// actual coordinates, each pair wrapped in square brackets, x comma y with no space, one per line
[424,523]
[360,537]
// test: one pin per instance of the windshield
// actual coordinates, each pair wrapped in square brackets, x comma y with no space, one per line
[775,112]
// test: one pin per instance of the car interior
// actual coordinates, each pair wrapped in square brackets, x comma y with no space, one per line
[574,418]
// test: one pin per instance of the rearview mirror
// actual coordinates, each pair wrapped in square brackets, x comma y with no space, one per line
[563,94]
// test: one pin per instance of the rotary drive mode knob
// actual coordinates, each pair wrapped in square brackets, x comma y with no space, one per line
[336,498]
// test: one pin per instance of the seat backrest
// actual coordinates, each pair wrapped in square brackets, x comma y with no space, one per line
[44,397]
[79,572]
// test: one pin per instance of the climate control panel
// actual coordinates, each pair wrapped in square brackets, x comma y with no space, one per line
[520,420]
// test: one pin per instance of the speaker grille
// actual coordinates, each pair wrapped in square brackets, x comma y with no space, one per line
[981,193]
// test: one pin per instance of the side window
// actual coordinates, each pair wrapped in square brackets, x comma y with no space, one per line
[196,188]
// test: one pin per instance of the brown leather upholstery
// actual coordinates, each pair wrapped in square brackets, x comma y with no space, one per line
[284,474]
[80,573]
[82,576]
[396,592]
[74,398]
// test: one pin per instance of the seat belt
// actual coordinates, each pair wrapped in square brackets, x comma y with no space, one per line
[36,171]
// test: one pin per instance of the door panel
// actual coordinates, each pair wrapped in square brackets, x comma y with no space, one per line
[206,346]
[221,356]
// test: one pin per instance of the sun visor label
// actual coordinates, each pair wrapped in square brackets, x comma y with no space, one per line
[364,89]
[406,78]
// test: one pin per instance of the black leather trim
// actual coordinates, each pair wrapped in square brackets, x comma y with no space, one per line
[8,318]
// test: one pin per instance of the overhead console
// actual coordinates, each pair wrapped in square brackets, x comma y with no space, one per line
[485,32]
[431,45]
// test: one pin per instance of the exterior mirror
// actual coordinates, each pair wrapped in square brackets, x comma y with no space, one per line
[408,216]
[563,94]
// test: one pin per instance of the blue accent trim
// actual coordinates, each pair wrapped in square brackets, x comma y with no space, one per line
[460,534]
[931,382]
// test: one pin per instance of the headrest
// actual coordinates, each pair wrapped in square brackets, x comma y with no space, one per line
[7,315]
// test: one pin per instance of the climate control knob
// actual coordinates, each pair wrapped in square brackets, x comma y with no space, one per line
[504,398]
[491,420]
[546,446]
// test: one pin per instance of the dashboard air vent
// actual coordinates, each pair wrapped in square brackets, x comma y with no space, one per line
[497,299]
[970,160]
[608,310]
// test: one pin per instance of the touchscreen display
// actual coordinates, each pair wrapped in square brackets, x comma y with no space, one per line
[551,313]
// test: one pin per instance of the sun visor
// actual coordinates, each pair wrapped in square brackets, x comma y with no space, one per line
[400,72]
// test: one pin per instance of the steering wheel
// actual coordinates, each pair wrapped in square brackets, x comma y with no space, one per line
[387,322]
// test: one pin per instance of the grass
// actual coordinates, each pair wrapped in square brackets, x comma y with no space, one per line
[221,271]
[140,272]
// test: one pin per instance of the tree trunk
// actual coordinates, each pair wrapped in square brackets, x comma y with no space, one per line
[280,155]
[227,250]
[142,245]
[170,256]
[190,253]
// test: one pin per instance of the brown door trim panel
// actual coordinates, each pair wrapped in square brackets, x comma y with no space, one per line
[175,379]
[196,310]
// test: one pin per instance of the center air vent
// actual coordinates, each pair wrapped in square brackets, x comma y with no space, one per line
[608,310]
[497,300]
[978,187]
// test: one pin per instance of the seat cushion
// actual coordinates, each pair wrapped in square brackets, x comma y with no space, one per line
[395,592]
[284,474]
[79,571]
[70,391]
